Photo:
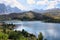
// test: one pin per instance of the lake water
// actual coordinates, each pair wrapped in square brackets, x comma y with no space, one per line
[51,31]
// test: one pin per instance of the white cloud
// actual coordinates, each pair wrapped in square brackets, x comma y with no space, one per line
[43,2]
[13,3]
[51,4]
[30,2]
[0,1]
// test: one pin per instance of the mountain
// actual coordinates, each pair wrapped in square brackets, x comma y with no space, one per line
[38,11]
[54,13]
[24,16]
[50,15]
[2,8]
[8,9]
[53,10]
[13,10]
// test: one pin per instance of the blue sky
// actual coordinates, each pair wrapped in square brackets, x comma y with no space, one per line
[32,4]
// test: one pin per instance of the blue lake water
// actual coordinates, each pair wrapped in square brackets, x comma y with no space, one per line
[51,31]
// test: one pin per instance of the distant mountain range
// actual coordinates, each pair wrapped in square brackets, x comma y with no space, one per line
[13,10]
[55,13]
[33,16]
[2,8]
[53,10]
[38,11]
[24,16]
[8,9]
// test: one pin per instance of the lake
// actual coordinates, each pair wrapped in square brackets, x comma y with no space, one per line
[51,31]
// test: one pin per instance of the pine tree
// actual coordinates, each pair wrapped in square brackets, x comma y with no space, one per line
[40,36]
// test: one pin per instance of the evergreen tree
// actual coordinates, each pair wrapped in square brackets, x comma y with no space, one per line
[4,27]
[40,36]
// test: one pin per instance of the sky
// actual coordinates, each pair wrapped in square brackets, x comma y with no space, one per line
[32,4]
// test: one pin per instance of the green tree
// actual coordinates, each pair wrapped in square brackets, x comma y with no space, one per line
[10,26]
[13,35]
[25,33]
[4,27]
[21,37]
[40,36]
[3,36]
[45,39]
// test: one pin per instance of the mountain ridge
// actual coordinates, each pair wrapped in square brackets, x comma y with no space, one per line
[8,9]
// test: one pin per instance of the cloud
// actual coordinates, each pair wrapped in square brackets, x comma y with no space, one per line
[31,2]
[48,4]
[51,4]
[13,3]
[43,2]
[0,1]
